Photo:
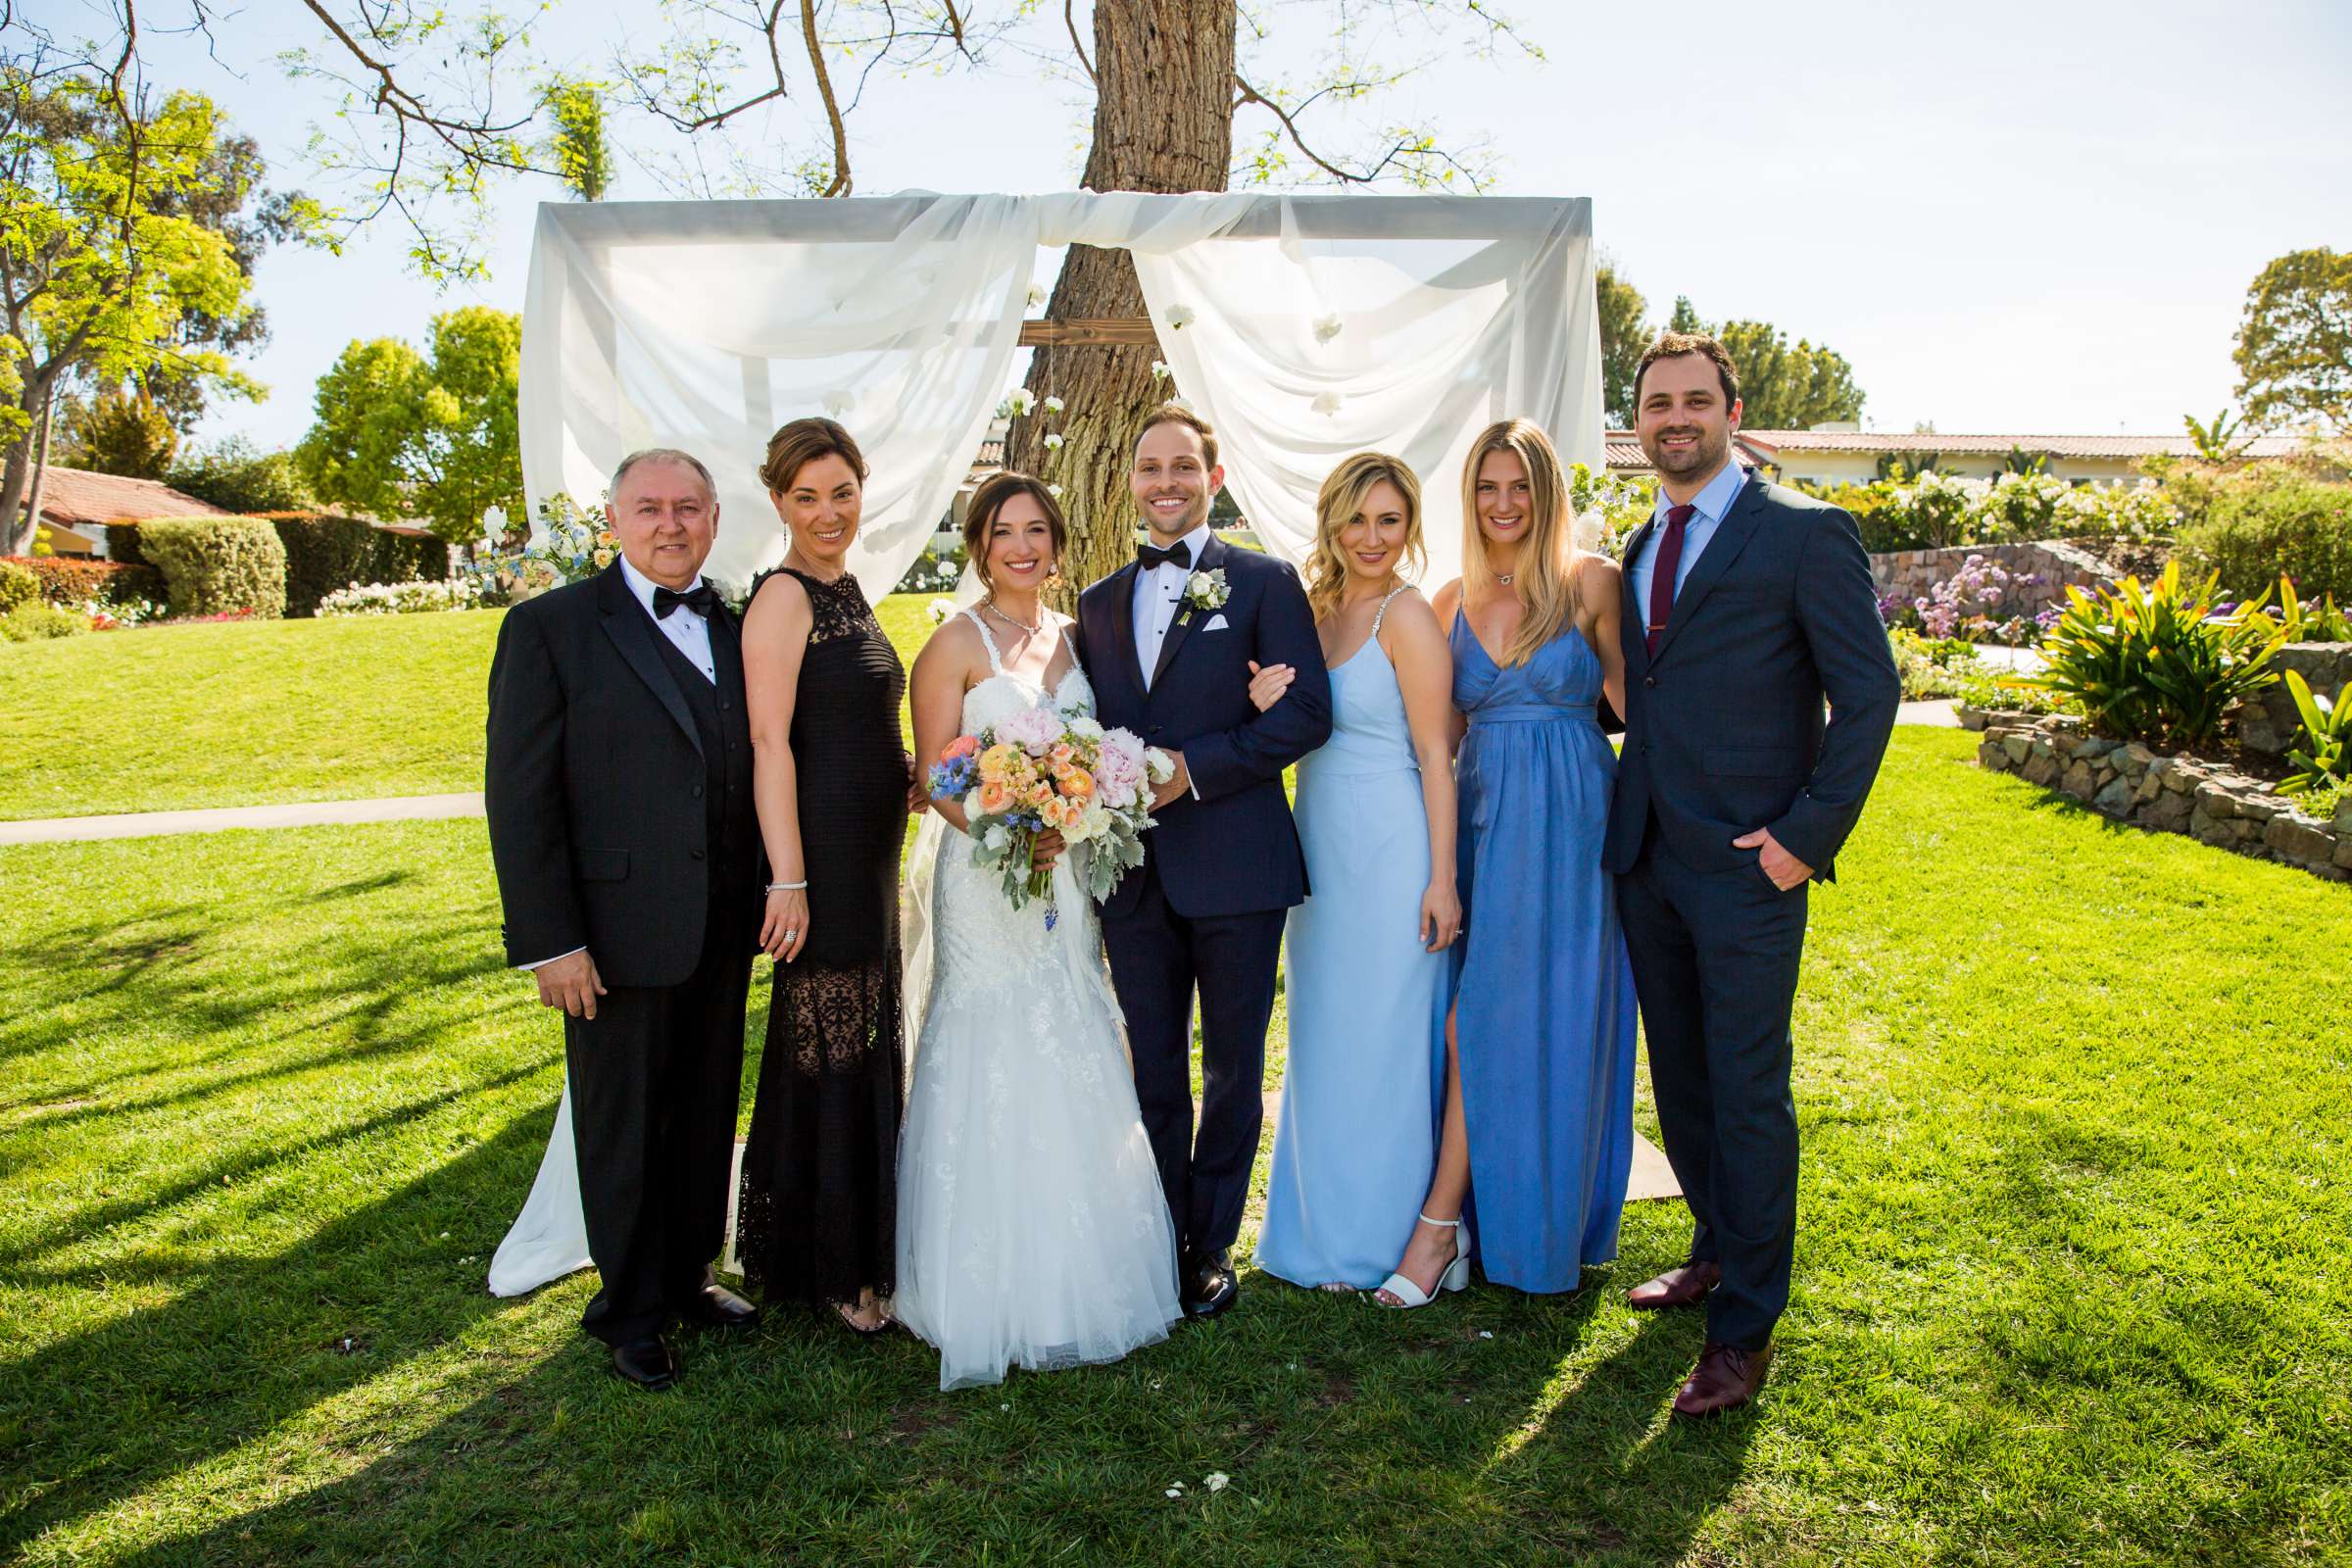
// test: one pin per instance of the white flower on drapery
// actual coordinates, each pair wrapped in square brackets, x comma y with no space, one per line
[1037,295]
[1054,405]
[837,403]
[1054,443]
[1327,328]
[1180,316]
[1327,403]
[1017,404]
[1160,369]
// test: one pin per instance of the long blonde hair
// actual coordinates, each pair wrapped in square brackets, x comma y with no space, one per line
[1336,506]
[1545,578]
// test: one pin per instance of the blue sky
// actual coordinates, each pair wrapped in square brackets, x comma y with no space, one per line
[2011,217]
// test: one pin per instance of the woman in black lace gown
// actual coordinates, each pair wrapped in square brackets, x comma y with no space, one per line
[818,1205]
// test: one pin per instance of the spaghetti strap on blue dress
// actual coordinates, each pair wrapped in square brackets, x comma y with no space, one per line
[1543,995]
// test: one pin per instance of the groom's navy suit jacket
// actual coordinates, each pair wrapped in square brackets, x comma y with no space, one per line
[1234,850]
[1724,731]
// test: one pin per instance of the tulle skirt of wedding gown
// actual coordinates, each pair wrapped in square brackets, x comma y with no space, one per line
[549,1239]
[1032,1231]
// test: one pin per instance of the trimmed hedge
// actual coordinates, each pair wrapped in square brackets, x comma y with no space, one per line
[2262,526]
[325,553]
[218,563]
[76,579]
[18,586]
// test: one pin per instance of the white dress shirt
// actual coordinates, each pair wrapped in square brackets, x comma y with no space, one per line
[682,626]
[1159,596]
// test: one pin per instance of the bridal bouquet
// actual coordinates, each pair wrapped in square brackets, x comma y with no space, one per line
[1039,770]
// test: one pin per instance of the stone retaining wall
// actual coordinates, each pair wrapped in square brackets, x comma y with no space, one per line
[2269,724]
[2209,802]
[1910,573]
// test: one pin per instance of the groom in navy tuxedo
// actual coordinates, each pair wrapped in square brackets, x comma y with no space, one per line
[1169,641]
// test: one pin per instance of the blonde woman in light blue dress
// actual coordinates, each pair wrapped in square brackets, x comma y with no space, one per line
[1357,1134]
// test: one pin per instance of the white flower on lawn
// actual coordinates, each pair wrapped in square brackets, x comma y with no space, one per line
[1180,316]
[1175,1491]
[1328,402]
[1054,443]
[1160,369]
[1327,328]
[1054,405]
[1218,1481]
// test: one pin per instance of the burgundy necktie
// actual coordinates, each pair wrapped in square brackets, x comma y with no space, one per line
[1662,572]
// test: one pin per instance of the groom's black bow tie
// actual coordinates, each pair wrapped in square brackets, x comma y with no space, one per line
[698,598]
[1179,554]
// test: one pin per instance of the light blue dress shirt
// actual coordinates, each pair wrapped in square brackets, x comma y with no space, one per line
[1713,505]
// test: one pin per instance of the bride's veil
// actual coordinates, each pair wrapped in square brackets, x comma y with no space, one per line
[915,897]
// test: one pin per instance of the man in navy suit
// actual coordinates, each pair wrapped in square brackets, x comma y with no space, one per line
[1746,605]
[1169,643]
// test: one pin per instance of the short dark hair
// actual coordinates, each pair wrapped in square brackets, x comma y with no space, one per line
[980,514]
[1178,413]
[1674,345]
[802,442]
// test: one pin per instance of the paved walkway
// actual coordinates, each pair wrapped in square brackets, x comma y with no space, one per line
[301,814]
[414,808]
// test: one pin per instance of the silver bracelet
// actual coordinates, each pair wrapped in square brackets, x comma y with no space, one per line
[786,887]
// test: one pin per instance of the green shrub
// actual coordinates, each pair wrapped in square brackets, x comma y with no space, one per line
[32,621]
[2157,664]
[1884,525]
[218,563]
[2267,520]
[325,554]
[78,579]
[2008,691]
[18,586]
[1931,669]
[2322,753]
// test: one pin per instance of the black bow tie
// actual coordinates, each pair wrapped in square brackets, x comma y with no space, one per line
[1179,554]
[699,599]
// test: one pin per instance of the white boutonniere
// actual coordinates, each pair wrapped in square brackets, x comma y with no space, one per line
[1206,590]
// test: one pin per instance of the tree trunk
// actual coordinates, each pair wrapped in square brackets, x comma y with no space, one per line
[1163,121]
[40,466]
[15,479]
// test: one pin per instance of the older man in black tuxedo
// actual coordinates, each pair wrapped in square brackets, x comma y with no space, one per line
[1744,605]
[619,792]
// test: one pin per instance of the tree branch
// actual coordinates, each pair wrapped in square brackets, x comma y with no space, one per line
[1250,95]
[839,185]
[1069,20]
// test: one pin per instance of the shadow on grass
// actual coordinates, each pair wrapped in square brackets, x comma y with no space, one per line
[253,1341]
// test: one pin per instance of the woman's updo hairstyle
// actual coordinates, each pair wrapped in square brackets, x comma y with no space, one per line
[980,515]
[800,443]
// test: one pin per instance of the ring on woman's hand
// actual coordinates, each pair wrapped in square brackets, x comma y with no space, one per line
[789,933]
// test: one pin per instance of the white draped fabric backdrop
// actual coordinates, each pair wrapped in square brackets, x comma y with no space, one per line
[1313,326]
[1302,327]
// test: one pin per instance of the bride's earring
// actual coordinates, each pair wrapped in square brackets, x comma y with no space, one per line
[1053,574]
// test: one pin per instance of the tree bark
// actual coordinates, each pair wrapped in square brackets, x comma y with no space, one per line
[1163,121]
[16,474]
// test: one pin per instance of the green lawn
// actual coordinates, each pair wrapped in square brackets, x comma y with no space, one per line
[2070,1286]
[181,716]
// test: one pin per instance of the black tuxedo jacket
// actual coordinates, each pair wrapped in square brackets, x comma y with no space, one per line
[1235,850]
[1724,731]
[596,785]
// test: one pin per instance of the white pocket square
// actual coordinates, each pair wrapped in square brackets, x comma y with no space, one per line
[1215,624]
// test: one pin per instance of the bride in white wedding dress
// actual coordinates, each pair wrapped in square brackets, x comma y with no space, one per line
[1032,1231]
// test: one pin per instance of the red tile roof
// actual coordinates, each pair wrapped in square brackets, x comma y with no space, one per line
[71,498]
[1624,454]
[2057,446]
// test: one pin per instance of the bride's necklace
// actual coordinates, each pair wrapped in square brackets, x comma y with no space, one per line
[990,605]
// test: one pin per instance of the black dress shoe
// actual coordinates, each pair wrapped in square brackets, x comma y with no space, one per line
[646,1362]
[714,1307]
[1208,1286]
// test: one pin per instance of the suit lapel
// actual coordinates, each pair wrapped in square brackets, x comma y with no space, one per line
[632,632]
[1212,555]
[1122,625]
[1723,547]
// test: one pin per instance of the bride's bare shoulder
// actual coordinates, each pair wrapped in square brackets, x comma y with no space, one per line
[953,651]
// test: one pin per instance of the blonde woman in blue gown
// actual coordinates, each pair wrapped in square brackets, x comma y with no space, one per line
[1356,1137]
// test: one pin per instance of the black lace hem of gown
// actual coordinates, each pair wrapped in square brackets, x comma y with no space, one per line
[816,1219]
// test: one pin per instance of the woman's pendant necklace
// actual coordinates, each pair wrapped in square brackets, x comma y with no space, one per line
[1503,578]
[991,606]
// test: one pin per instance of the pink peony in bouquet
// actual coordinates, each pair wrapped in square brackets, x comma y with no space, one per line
[1040,771]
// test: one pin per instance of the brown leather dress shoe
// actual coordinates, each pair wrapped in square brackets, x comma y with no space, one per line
[1724,1377]
[1684,1285]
